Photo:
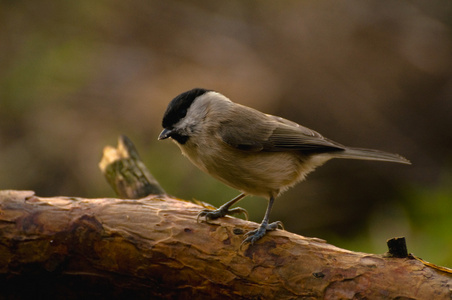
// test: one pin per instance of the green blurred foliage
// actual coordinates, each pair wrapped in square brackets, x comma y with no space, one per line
[429,211]
[423,218]
[74,75]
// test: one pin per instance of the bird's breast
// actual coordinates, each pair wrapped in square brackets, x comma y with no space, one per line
[257,173]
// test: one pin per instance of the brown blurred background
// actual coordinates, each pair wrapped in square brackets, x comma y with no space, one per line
[76,74]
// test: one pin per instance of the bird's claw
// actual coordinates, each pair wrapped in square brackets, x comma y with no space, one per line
[256,234]
[210,214]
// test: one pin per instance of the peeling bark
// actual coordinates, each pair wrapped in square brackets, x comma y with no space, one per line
[68,248]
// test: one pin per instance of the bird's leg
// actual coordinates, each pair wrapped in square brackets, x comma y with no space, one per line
[223,210]
[257,234]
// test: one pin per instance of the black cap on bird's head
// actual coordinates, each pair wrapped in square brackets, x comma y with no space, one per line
[177,110]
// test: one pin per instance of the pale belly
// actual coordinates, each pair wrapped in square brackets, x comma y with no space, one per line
[257,173]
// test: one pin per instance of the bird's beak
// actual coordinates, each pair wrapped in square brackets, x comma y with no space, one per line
[166,133]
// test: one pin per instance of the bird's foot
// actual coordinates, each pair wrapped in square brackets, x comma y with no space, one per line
[255,235]
[210,214]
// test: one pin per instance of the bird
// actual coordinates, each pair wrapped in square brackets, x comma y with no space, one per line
[256,153]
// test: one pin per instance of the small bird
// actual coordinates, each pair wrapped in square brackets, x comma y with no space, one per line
[253,152]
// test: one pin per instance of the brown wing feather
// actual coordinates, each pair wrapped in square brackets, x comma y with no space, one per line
[256,131]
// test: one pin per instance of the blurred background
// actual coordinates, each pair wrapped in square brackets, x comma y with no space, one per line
[74,75]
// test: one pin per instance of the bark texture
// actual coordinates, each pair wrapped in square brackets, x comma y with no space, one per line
[153,247]
[126,173]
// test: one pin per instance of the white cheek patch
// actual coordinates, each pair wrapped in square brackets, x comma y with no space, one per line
[194,118]
[196,113]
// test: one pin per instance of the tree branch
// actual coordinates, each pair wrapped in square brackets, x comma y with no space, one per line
[126,173]
[153,247]
[64,248]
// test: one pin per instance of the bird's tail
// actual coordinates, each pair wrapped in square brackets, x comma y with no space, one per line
[370,154]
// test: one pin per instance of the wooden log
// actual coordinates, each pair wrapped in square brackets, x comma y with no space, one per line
[67,248]
[153,248]
[126,173]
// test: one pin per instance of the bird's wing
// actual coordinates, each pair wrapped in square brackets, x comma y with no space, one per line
[252,130]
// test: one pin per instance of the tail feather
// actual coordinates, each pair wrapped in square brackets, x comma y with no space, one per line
[370,154]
